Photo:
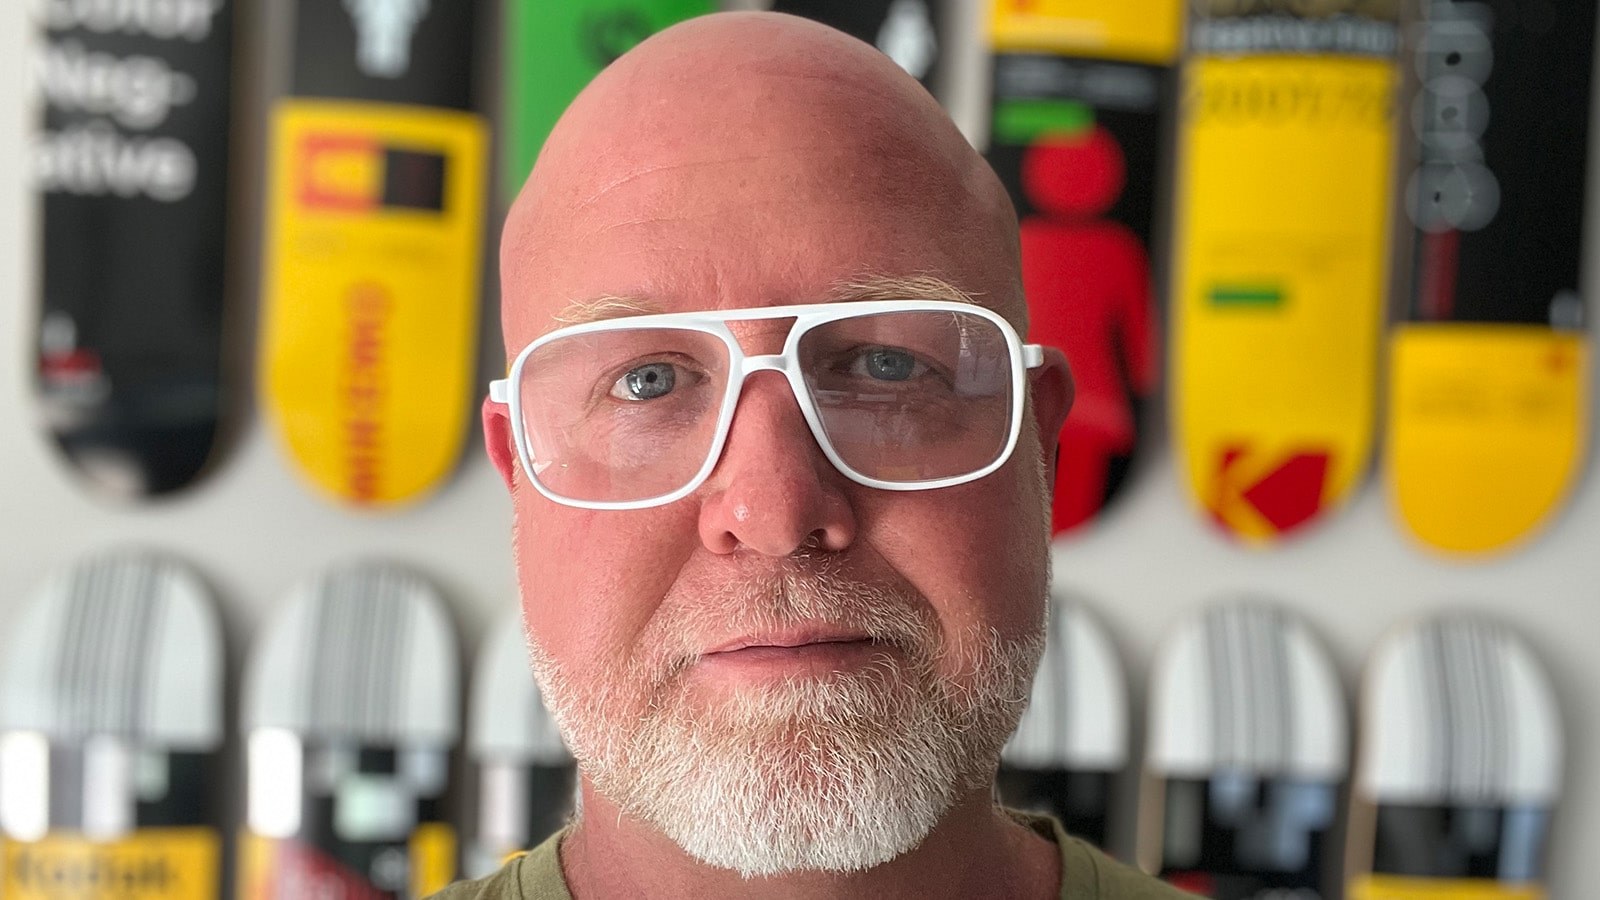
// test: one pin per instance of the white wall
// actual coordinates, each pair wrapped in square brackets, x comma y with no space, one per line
[253,532]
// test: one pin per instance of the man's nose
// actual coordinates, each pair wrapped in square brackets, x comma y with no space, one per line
[773,490]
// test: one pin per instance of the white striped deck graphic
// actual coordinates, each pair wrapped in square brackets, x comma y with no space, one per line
[526,777]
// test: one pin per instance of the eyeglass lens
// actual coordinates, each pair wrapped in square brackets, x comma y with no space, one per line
[903,396]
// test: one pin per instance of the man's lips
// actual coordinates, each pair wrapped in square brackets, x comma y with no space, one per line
[791,639]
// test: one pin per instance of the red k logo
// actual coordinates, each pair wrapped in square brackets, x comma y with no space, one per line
[1258,494]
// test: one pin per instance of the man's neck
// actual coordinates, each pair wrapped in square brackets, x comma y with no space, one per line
[975,851]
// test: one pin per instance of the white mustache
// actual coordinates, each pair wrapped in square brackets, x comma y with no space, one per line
[803,595]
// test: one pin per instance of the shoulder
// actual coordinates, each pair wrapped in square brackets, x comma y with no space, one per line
[535,875]
[1088,874]
[502,885]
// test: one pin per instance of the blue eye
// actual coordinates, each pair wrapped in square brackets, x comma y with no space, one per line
[887,364]
[646,382]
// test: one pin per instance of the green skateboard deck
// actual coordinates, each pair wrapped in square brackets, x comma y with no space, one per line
[551,52]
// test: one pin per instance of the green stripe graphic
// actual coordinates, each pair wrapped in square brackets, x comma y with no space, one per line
[1023,121]
[1245,295]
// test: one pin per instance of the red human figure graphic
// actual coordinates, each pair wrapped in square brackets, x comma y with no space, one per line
[1088,287]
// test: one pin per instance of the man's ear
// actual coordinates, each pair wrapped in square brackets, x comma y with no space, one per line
[1053,391]
[497,440]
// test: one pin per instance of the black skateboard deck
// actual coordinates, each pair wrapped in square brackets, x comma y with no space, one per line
[1489,370]
[910,32]
[132,170]
[1081,116]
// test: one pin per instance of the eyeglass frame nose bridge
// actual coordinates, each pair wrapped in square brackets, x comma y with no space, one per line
[1022,357]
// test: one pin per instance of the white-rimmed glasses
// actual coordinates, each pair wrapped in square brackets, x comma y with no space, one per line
[903,395]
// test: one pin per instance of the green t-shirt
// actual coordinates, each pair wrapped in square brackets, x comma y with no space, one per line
[1086,873]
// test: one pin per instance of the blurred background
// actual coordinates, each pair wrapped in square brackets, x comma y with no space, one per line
[253,528]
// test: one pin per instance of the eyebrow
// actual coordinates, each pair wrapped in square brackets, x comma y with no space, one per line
[854,290]
[605,306]
[898,287]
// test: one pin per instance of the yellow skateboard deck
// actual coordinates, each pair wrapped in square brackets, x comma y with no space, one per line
[1280,270]
[372,270]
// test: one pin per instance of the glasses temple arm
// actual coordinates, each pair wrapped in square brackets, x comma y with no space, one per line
[499,391]
[1032,358]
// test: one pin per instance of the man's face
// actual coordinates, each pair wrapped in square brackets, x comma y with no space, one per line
[918,615]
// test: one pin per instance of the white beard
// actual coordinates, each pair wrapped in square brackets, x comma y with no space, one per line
[836,774]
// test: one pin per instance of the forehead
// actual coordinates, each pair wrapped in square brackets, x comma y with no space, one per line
[714,227]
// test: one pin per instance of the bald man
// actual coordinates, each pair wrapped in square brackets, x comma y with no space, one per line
[777,454]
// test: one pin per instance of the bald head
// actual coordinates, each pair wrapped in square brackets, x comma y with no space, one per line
[748,159]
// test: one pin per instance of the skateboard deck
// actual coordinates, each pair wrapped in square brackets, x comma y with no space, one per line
[910,32]
[1072,744]
[526,778]
[1459,768]
[133,185]
[1489,372]
[111,735]
[1285,138]
[1246,758]
[1082,98]
[372,261]
[350,712]
[553,50]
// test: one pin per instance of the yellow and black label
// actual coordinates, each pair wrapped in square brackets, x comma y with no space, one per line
[153,864]
[1280,275]
[1115,29]
[371,296]
[270,868]
[1394,887]
[1486,431]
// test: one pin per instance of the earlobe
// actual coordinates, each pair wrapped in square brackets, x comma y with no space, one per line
[1053,393]
[497,441]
